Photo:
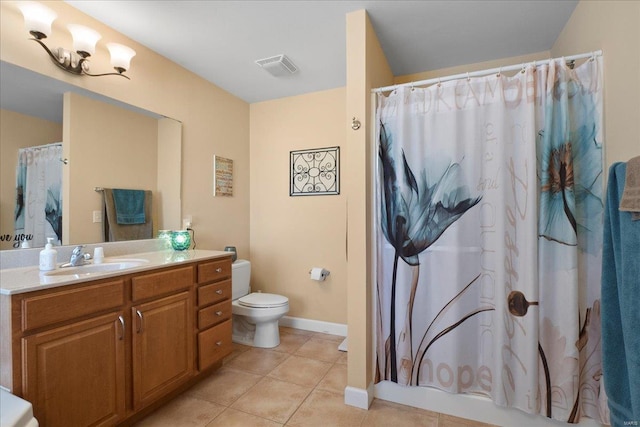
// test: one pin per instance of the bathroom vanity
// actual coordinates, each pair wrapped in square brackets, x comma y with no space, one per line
[108,346]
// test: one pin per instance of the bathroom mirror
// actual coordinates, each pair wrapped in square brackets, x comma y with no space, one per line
[143,153]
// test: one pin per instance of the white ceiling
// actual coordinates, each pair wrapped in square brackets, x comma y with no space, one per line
[220,40]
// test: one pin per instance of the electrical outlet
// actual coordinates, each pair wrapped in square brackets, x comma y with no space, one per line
[187,222]
[97,216]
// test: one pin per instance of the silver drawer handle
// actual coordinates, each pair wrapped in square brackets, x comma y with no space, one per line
[218,313]
[121,319]
[219,292]
[218,270]
[219,343]
[140,325]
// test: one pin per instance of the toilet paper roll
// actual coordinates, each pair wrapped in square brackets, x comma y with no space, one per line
[319,273]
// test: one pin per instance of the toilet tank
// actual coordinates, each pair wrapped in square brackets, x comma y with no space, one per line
[240,278]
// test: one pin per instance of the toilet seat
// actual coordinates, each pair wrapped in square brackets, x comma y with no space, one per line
[263,300]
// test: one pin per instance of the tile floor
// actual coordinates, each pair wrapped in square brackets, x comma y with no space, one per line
[300,383]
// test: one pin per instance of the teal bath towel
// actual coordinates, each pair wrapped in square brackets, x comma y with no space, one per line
[114,232]
[129,206]
[621,305]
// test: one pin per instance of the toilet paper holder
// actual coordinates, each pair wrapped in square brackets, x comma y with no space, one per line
[319,273]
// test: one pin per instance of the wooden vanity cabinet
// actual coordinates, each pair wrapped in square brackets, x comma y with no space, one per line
[162,333]
[96,354]
[73,354]
[214,312]
[75,375]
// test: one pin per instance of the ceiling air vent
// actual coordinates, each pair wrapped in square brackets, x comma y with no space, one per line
[278,65]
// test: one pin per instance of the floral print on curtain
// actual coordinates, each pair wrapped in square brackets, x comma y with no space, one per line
[489,226]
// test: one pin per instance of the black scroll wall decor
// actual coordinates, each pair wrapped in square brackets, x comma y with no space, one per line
[315,172]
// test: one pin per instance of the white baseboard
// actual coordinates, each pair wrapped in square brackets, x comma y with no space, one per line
[477,408]
[358,397]
[314,325]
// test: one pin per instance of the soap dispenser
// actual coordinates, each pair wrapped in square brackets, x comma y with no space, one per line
[48,256]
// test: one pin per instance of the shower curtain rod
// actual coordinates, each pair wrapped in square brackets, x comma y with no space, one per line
[51,144]
[484,72]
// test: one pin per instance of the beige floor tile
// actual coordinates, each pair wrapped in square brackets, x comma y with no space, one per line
[238,349]
[272,399]
[301,370]
[451,421]
[232,418]
[224,386]
[319,349]
[257,361]
[183,411]
[384,414]
[343,358]
[323,409]
[328,337]
[290,343]
[285,330]
[335,381]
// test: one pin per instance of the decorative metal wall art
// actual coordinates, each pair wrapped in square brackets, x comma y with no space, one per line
[315,172]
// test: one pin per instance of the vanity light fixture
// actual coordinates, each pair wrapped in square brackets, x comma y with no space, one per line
[38,19]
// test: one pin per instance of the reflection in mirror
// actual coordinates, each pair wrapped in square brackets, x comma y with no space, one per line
[105,143]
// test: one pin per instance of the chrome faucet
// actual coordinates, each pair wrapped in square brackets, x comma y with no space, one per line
[78,257]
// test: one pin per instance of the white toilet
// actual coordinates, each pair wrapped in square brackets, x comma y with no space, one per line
[255,315]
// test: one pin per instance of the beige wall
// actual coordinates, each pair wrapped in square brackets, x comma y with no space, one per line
[18,131]
[107,146]
[214,121]
[468,68]
[168,197]
[614,27]
[291,235]
[367,68]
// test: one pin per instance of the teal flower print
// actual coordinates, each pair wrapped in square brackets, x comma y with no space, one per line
[570,169]
[415,213]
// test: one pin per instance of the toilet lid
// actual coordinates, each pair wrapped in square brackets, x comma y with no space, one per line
[263,300]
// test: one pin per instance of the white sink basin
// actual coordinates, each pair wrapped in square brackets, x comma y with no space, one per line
[90,269]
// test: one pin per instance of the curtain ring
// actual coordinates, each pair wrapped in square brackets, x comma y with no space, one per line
[523,68]
[412,88]
[499,72]
[439,84]
[468,78]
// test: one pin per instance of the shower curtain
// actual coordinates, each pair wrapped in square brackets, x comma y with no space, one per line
[488,236]
[38,211]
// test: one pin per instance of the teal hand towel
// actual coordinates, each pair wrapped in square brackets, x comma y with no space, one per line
[129,206]
[620,299]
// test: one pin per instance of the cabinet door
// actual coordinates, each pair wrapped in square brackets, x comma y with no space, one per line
[162,347]
[75,375]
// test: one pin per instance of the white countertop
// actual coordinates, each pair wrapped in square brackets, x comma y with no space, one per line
[27,279]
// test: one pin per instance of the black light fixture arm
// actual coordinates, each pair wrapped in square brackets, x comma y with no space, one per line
[71,62]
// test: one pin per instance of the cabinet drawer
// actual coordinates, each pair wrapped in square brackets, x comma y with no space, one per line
[211,294]
[154,284]
[214,344]
[214,270]
[215,314]
[48,309]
